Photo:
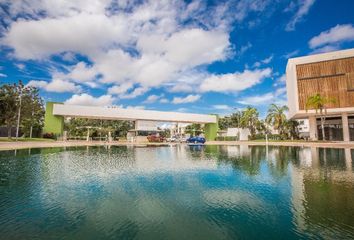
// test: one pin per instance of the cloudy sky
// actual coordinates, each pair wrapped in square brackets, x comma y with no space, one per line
[189,56]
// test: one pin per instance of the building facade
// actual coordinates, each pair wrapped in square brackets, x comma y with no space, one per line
[332,76]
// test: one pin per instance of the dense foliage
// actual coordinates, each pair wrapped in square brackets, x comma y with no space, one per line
[21,103]
[276,119]
[78,127]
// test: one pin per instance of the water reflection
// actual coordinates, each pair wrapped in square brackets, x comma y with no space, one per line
[212,192]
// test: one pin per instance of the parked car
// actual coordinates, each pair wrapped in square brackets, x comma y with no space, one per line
[155,138]
[196,140]
[172,139]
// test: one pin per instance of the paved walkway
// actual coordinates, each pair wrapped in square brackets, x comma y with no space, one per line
[21,145]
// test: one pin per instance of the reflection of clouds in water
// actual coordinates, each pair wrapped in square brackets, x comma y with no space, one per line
[232,199]
[79,165]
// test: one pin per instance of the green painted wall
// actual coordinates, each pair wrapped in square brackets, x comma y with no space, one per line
[211,130]
[53,124]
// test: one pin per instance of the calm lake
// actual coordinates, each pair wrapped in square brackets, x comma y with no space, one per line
[177,192]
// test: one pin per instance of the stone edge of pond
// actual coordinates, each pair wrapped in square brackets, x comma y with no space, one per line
[24,145]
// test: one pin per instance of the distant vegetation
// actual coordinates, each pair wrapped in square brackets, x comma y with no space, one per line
[21,107]
[276,119]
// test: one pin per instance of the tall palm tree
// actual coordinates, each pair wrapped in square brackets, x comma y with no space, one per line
[249,119]
[277,118]
[319,103]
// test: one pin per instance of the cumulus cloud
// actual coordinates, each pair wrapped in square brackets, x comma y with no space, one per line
[303,8]
[56,85]
[222,107]
[330,39]
[278,97]
[131,47]
[188,99]
[154,98]
[235,81]
[88,100]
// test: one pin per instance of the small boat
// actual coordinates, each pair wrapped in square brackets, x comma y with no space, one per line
[195,141]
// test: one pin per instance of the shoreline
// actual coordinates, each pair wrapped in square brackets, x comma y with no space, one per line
[37,144]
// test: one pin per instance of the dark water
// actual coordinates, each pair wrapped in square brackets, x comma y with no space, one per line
[217,192]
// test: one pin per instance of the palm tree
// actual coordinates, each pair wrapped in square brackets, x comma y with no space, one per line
[277,118]
[319,103]
[292,128]
[249,119]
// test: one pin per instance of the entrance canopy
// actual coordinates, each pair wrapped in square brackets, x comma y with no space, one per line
[55,113]
[113,113]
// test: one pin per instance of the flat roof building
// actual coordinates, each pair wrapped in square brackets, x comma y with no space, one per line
[332,76]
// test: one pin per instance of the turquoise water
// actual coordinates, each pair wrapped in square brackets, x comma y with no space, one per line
[177,192]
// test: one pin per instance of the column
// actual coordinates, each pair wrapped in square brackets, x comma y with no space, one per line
[53,123]
[345,125]
[313,128]
[348,159]
[88,135]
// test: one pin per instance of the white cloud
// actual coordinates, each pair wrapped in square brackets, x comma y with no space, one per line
[245,7]
[164,100]
[140,45]
[244,48]
[335,35]
[80,73]
[222,107]
[135,93]
[257,100]
[88,100]
[234,81]
[324,49]
[83,33]
[56,85]
[139,107]
[291,54]
[263,61]
[153,98]
[131,48]
[121,89]
[277,97]
[20,66]
[188,99]
[3,75]
[303,9]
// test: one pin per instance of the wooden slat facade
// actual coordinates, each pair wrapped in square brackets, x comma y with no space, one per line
[332,79]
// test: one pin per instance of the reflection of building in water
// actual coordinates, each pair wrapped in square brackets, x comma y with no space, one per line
[323,191]
[236,150]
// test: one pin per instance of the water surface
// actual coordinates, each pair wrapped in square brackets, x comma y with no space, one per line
[177,192]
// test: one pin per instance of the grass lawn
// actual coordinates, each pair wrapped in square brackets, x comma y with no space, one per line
[5,139]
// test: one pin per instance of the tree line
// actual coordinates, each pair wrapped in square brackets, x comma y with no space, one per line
[21,107]
[258,128]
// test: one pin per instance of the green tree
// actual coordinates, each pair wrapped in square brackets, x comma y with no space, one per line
[249,119]
[194,129]
[277,118]
[8,106]
[224,122]
[291,127]
[319,104]
[32,111]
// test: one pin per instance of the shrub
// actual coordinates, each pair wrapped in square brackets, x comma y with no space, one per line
[49,135]
[226,138]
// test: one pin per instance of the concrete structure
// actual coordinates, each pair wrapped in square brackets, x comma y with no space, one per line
[332,76]
[55,113]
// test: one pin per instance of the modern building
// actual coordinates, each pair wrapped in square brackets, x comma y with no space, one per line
[332,76]
[145,120]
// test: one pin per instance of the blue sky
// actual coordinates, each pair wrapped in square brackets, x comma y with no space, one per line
[189,56]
